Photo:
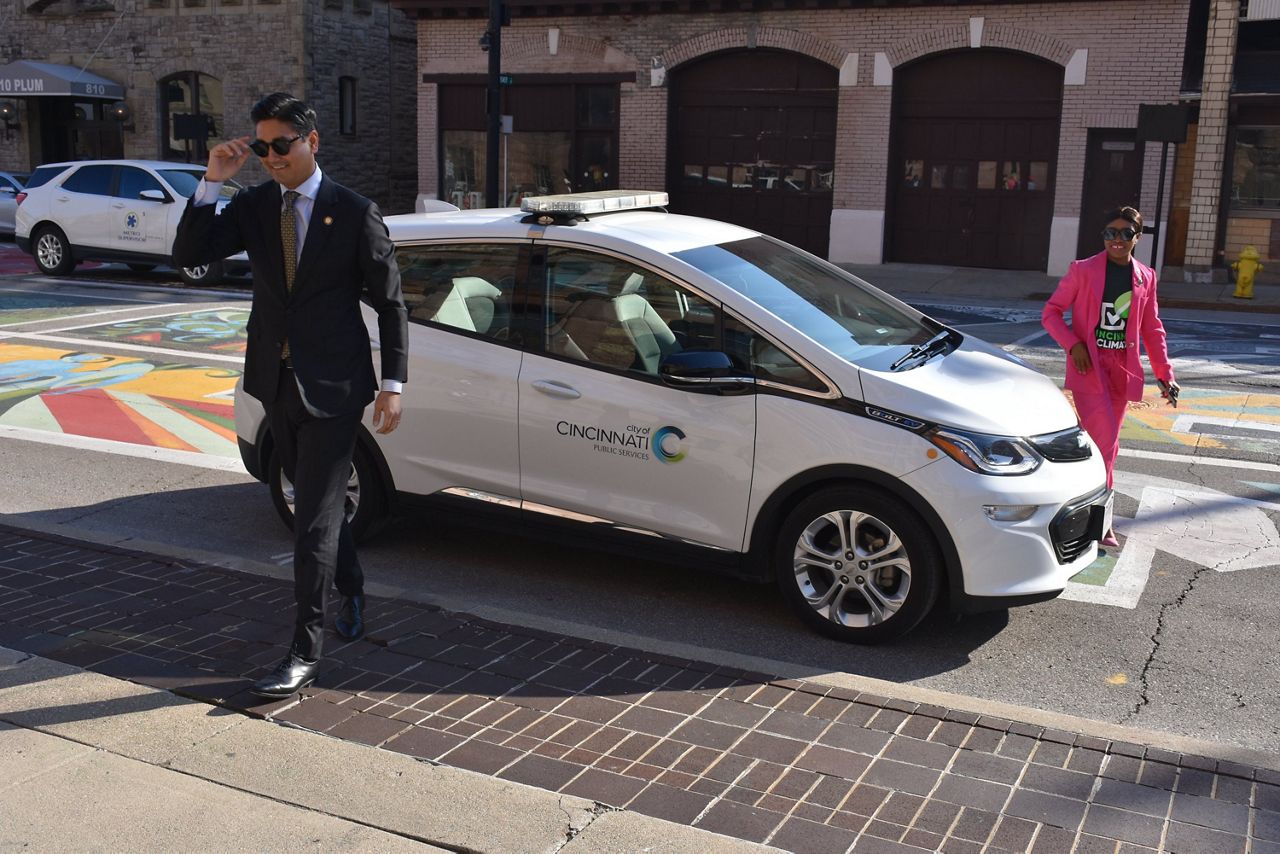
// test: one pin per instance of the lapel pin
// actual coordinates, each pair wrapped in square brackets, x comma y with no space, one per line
[328,220]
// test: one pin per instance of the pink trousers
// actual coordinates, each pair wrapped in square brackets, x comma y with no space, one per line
[1102,411]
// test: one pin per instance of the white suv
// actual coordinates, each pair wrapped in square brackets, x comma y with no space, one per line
[112,210]
[693,389]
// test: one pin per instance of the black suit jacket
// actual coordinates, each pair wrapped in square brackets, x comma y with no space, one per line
[347,252]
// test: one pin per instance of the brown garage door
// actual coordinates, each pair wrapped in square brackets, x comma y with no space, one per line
[753,142]
[971,176]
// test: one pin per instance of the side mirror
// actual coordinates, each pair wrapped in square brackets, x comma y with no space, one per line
[703,370]
[154,196]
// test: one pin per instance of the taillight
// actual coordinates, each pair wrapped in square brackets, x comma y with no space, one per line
[18,198]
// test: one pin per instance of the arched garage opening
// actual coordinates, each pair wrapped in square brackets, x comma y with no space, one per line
[753,140]
[973,160]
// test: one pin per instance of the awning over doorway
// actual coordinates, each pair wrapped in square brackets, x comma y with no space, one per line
[25,78]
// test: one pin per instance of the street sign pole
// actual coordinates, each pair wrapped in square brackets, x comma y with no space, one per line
[1155,236]
[493,99]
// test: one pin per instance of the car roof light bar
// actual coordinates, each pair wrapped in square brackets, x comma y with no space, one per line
[569,207]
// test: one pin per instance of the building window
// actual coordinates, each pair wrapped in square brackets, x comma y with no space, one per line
[191,116]
[1255,170]
[347,106]
[563,140]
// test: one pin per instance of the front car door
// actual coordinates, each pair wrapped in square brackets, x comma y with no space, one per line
[138,224]
[459,433]
[602,438]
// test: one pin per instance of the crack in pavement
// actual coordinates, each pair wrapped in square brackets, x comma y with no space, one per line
[597,809]
[1144,685]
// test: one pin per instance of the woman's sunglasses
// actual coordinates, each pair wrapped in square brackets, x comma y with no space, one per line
[1107,233]
[280,146]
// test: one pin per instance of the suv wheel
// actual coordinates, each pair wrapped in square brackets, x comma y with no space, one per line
[52,252]
[364,504]
[207,274]
[857,565]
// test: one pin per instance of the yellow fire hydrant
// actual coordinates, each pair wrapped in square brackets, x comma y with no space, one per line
[1246,268]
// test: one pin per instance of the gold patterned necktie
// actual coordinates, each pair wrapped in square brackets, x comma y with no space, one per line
[289,245]
[289,236]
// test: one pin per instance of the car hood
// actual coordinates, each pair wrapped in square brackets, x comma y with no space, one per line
[975,387]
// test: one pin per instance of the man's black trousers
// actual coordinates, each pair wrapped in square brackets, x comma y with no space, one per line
[315,454]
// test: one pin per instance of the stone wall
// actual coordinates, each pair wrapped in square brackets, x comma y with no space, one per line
[252,47]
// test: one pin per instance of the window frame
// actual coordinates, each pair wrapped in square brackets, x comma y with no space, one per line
[1241,207]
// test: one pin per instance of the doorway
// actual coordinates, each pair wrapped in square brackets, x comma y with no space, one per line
[973,163]
[1112,179]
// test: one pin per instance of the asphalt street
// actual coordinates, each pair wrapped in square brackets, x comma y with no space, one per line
[1172,632]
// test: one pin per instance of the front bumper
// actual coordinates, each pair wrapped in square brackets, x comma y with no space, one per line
[1012,563]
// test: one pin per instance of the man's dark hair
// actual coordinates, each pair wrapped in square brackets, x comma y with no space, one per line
[286,108]
[1127,214]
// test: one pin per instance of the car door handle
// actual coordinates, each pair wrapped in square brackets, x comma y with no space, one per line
[555,389]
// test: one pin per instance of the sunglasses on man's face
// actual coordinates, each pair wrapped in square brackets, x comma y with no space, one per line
[280,145]
[1108,233]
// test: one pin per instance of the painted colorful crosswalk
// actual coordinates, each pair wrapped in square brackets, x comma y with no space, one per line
[129,399]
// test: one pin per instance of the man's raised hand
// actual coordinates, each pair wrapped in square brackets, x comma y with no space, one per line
[226,158]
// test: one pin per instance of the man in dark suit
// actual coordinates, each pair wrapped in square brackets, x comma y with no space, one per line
[315,247]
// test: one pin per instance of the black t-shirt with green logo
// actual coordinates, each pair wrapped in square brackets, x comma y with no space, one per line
[1116,296]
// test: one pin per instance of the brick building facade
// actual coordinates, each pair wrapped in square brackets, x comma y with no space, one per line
[189,68]
[1100,60]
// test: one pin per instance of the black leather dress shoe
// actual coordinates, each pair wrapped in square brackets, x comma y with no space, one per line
[350,621]
[290,676]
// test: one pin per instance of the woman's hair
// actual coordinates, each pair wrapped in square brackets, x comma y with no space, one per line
[1126,213]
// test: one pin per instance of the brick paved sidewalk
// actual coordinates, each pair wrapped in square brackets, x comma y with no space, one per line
[800,766]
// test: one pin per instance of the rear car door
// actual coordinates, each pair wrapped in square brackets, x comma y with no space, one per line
[81,206]
[460,406]
[602,438]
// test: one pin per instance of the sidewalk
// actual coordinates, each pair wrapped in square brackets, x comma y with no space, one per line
[124,710]
[907,280]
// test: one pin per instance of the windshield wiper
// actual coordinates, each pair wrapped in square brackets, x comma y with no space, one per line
[926,351]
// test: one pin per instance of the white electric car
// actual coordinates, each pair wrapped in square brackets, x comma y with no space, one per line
[113,210]
[692,389]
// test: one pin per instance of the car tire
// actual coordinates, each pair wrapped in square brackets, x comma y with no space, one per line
[366,505]
[52,251]
[835,588]
[205,275]
[141,268]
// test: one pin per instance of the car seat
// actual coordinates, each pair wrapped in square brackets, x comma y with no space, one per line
[470,305]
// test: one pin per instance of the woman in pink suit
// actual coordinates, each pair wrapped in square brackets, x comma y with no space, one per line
[1112,300]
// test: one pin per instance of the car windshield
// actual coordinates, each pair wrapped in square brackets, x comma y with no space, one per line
[836,309]
[184,182]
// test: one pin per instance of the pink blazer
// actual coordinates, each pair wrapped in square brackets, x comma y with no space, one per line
[1080,292]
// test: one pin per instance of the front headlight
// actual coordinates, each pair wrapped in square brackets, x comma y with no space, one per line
[985,454]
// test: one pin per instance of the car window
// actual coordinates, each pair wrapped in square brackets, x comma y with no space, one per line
[185,181]
[764,359]
[91,180]
[6,184]
[134,180]
[464,286]
[832,307]
[43,175]
[614,314]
